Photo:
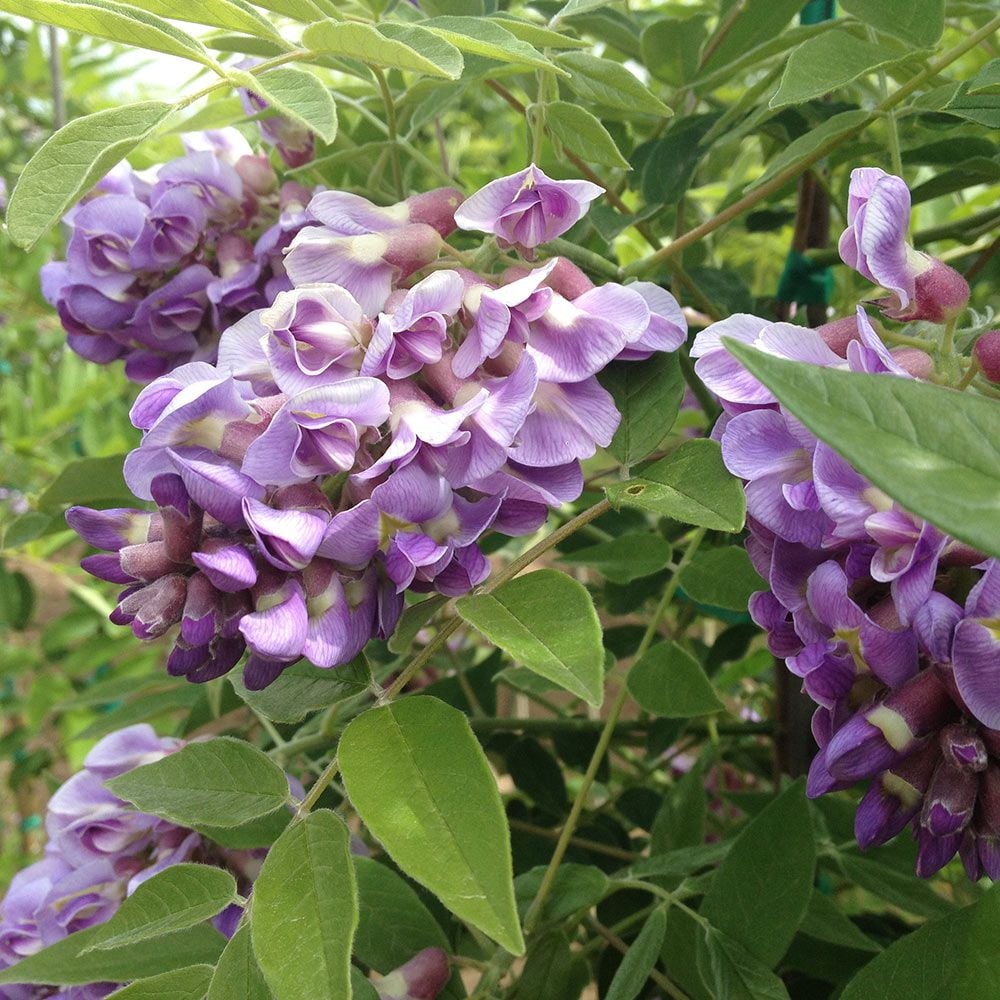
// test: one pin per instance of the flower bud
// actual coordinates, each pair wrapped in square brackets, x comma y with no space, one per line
[422,978]
[987,353]
[436,208]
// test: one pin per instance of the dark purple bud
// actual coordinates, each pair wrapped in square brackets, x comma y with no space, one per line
[422,978]
[935,852]
[987,353]
[110,529]
[202,608]
[838,333]
[950,800]
[941,294]
[989,797]
[980,851]
[962,747]
[894,798]
[204,663]
[106,566]
[876,738]
[147,561]
[152,609]
[258,672]
[182,518]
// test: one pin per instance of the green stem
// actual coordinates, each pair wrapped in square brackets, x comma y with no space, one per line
[393,132]
[535,911]
[793,170]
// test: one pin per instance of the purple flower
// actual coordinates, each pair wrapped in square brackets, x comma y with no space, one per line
[413,333]
[976,649]
[366,265]
[874,244]
[317,431]
[526,208]
[421,978]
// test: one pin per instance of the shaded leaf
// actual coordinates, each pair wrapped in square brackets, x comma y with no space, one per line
[670,682]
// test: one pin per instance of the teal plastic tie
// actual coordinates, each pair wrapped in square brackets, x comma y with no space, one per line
[804,281]
[818,10]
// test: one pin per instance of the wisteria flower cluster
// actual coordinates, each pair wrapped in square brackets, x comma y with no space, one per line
[99,850]
[890,623]
[358,436]
[160,262]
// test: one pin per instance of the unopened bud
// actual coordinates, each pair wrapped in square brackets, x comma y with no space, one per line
[987,353]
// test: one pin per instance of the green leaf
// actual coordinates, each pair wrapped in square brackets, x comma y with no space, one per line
[806,145]
[69,962]
[891,430]
[117,22]
[757,22]
[483,37]
[412,620]
[25,528]
[828,62]
[420,782]
[305,910]
[920,22]
[297,94]
[722,577]
[584,134]
[648,395]
[552,971]
[233,15]
[181,984]
[668,681]
[692,485]
[395,46]
[222,781]
[760,893]
[535,34]
[237,976]
[986,81]
[825,921]
[394,924]
[575,887]
[545,621]
[954,958]
[901,889]
[625,558]
[734,973]
[609,83]
[640,959]
[67,166]
[178,897]
[573,7]
[680,820]
[304,688]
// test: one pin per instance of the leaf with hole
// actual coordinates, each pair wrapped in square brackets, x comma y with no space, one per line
[692,486]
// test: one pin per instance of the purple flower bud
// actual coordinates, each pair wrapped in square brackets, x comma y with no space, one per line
[934,852]
[230,567]
[876,738]
[526,208]
[152,609]
[987,354]
[950,800]
[421,978]
[435,208]
[112,529]
[147,561]
[894,798]
[366,265]
[962,747]
[278,626]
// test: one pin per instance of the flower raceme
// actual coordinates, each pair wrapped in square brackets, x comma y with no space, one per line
[358,435]
[159,262]
[100,850]
[890,624]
